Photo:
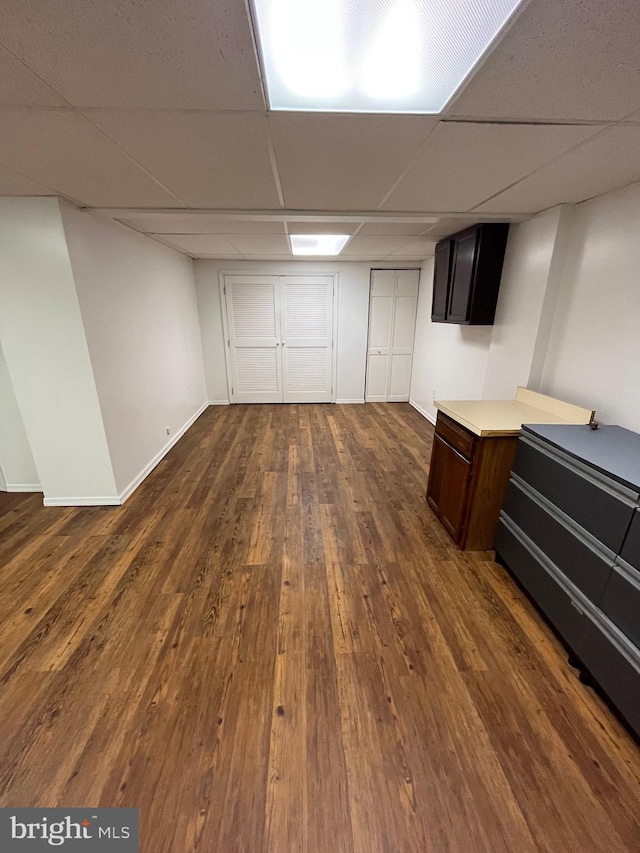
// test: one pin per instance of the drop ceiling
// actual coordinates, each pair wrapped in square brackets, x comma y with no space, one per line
[152,113]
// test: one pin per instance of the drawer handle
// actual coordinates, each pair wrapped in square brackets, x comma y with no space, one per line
[577,607]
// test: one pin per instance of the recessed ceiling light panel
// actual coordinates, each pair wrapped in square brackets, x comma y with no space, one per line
[373,56]
[318,244]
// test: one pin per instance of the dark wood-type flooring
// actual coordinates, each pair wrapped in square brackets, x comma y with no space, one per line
[273,647]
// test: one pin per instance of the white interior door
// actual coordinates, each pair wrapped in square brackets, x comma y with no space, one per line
[280,338]
[380,323]
[307,338]
[392,319]
[253,319]
[402,334]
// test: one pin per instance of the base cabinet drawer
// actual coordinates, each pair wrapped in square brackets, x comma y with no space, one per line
[616,671]
[612,661]
[557,606]
[621,601]
[456,435]
[589,569]
[631,549]
[604,514]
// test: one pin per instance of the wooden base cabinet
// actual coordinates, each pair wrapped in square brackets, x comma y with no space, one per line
[468,477]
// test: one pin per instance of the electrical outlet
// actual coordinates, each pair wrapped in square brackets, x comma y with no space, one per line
[168,430]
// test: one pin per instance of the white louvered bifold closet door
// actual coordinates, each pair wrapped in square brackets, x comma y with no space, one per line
[307,338]
[280,338]
[253,317]
[392,320]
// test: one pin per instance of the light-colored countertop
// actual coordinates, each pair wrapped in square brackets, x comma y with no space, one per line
[505,417]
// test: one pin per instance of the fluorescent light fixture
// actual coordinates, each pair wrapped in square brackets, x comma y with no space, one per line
[388,56]
[318,244]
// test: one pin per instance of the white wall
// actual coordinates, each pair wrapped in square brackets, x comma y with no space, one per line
[139,308]
[531,279]
[449,362]
[593,357]
[16,460]
[46,352]
[353,318]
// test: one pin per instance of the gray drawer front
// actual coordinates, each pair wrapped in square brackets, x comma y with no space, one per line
[614,671]
[541,586]
[631,549]
[612,661]
[588,569]
[603,514]
[621,601]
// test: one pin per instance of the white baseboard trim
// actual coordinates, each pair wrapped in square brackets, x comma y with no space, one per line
[118,500]
[133,485]
[23,487]
[219,403]
[342,402]
[423,412]
[98,501]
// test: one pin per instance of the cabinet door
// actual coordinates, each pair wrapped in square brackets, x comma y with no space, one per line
[448,489]
[441,277]
[462,277]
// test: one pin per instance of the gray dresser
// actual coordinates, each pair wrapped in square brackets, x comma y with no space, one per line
[569,531]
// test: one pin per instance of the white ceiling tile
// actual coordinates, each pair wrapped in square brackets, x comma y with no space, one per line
[20,87]
[215,161]
[336,227]
[416,248]
[288,257]
[343,162]
[446,227]
[210,244]
[12,183]
[195,54]
[259,244]
[373,246]
[64,151]
[358,259]
[575,59]
[393,229]
[463,164]
[198,223]
[222,257]
[414,258]
[608,161]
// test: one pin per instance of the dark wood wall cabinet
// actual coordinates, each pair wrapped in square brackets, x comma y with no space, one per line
[467,273]
[570,532]
[468,476]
